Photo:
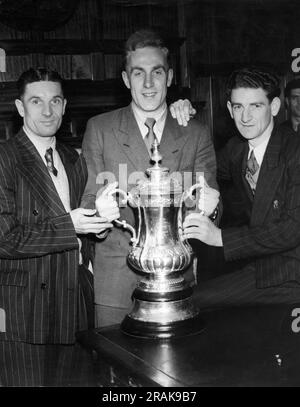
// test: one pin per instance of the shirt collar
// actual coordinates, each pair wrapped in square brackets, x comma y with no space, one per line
[159,116]
[259,151]
[41,143]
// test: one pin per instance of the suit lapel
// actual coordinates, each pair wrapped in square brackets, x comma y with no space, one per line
[173,139]
[268,180]
[34,171]
[133,145]
[68,160]
[131,141]
[239,162]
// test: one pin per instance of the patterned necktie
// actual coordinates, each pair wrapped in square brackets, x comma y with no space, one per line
[150,136]
[252,171]
[49,160]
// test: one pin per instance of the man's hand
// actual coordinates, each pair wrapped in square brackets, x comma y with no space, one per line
[106,203]
[198,226]
[182,110]
[85,221]
[208,199]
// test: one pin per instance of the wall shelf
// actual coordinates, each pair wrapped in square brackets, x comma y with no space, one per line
[72,46]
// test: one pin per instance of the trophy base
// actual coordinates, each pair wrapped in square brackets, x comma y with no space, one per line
[154,330]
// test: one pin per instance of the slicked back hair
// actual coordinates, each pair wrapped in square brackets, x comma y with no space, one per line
[37,75]
[145,38]
[254,78]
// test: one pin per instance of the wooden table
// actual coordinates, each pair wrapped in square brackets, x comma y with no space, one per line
[254,346]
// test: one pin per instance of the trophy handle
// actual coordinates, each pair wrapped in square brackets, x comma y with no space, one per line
[189,195]
[184,196]
[126,197]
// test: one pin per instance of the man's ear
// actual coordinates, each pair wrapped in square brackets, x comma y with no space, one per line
[20,107]
[275,106]
[229,107]
[126,79]
[170,77]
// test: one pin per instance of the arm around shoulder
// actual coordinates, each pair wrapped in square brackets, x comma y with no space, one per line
[205,158]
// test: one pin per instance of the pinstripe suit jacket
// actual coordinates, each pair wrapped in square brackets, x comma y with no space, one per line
[38,245]
[270,234]
[112,139]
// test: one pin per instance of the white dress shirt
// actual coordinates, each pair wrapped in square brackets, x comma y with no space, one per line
[160,117]
[260,149]
[60,181]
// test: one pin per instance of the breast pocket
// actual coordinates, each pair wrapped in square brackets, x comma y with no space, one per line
[17,278]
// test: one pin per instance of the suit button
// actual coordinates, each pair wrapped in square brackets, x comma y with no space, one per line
[43,286]
[35,212]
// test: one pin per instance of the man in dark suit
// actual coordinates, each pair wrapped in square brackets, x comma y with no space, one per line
[292,101]
[46,288]
[116,146]
[263,167]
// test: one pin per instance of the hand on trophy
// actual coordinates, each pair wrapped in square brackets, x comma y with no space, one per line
[208,199]
[199,226]
[183,111]
[106,203]
[85,221]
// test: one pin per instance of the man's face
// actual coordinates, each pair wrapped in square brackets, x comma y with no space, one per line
[252,111]
[148,77]
[293,102]
[42,107]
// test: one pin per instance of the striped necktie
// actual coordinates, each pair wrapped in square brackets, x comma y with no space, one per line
[150,136]
[49,161]
[252,171]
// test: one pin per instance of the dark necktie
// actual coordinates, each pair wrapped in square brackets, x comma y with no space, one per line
[49,160]
[252,171]
[150,136]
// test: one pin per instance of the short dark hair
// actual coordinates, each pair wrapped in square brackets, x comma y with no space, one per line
[145,38]
[293,84]
[37,75]
[255,78]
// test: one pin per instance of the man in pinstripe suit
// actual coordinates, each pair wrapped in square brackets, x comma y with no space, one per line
[46,290]
[263,167]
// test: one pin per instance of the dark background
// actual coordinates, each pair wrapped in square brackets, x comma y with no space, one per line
[83,40]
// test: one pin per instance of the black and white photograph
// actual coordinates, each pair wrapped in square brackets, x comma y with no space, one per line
[149,197]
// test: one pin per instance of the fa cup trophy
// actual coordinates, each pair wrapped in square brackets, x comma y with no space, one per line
[162,300]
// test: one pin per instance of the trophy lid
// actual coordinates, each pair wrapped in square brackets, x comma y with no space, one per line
[159,181]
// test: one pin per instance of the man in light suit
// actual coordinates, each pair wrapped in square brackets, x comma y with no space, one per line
[116,145]
[46,289]
[263,167]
